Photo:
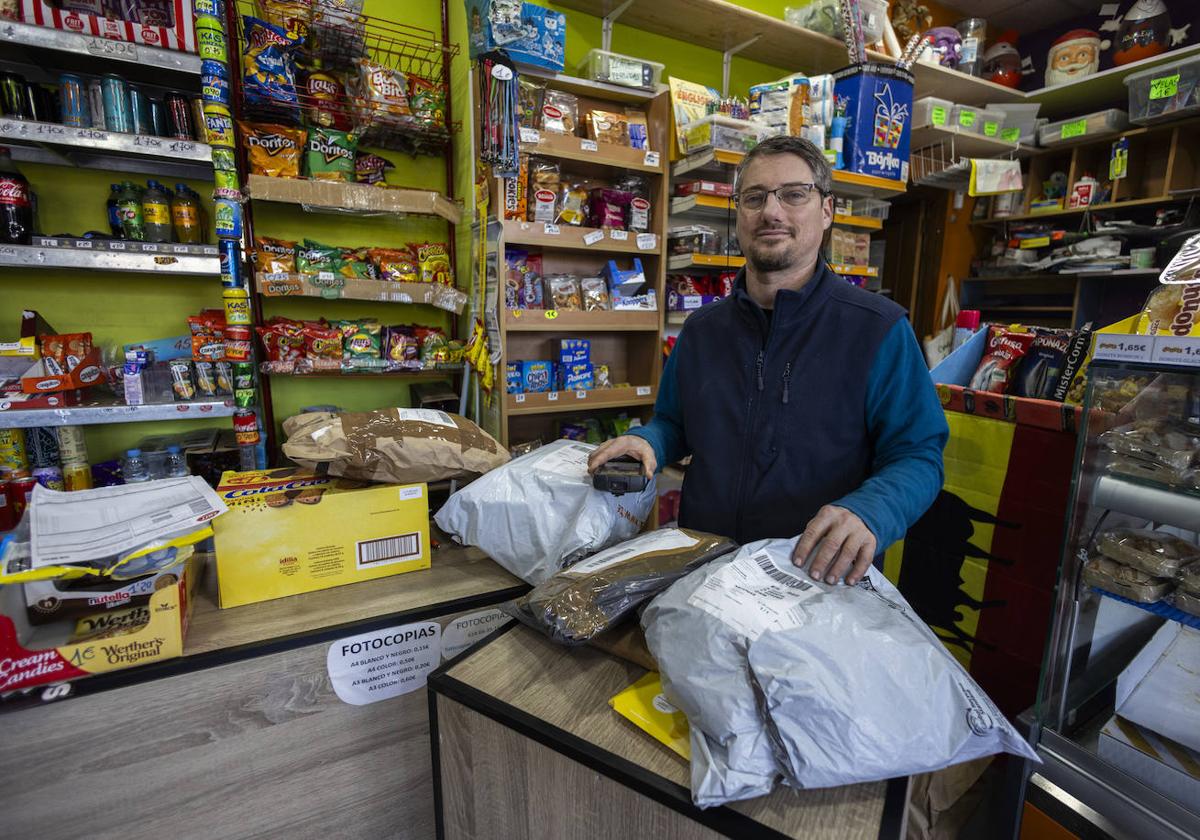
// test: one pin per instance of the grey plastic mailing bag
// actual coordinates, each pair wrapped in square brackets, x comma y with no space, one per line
[539,513]
[821,685]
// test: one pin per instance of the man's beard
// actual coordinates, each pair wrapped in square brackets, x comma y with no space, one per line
[772,260]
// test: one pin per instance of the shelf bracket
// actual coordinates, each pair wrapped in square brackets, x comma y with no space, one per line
[606,25]
[727,61]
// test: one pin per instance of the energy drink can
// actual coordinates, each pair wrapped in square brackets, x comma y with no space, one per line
[196,103]
[73,104]
[12,95]
[245,427]
[72,446]
[179,117]
[12,448]
[118,116]
[20,489]
[77,476]
[139,107]
[95,97]
[158,118]
[231,271]
[41,444]
[49,477]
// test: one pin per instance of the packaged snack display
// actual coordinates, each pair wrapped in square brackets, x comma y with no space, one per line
[269,68]
[427,101]
[338,32]
[608,127]
[434,264]
[639,129]
[323,100]
[563,293]
[596,594]
[522,279]
[356,264]
[575,376]
[530,93]
[322,342]
[370,169]
[1157,554]
[273,150]
[1005,349]
[314,259]
[1125,581]
[544,185]
[536,376]
[595,294]
[329,155]
[560,112]
[1154,442]
[361,339]
[274,256]
[572,205]
[516,192]
[63,353]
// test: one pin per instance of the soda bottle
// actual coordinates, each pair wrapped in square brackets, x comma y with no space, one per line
[156,212]
[16,203]
[129,211]
[185,215]
[114,221]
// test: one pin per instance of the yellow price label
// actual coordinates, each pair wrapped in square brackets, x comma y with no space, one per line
[551,314]
[516,313]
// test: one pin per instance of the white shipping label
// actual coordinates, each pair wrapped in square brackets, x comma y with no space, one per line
[568,460]
[664,539]
[753,595]
[385,663]
[426,415]
[462,632]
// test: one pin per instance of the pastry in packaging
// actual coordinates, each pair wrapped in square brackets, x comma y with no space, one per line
[1172,307]
[560,112]
[323,100]
[608,127]
[530,93]
[563,292]
[595,294]
[544,184]
[638,129]
[572,205]
[1005,349]
[516,193]
[313,258]
[1157,554]
[274,256]
[292,16]
[322,342]
[1188,602]
[329,154]
[269,68]
[427,102]
[370,169]
[273,150]
[63,353]
[1156,441]
[519,264]
[608,208]
[1125,581]
[1155,472]
[1189,578]
[395,264]
[434,263]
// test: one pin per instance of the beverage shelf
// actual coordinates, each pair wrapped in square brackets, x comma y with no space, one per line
[551,402]
[335,287]
[575,238]
[102,255]
[108,410]
[151,60]
[61,145]
[550,320]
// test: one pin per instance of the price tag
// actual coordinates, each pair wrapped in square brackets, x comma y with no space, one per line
[551,314]
[1035,242]
[150,247]
[552,396]
[1164,87]
[1169,350]
[619,235]
[176,249]
[1011,135]
[651,159]
[530,135]
[116,245]
[514,313]
[643,391]
[83,243]
[549,229]
[647,241]
[501,72]
[966,118]
[112,49]
[1123,348]
[991,129]
[1076,128]
[520,398]
[938,116]
[581,395]
[588,146]
[325,276]
[593,237]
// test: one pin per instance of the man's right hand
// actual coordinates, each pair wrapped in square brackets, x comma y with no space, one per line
[625,445]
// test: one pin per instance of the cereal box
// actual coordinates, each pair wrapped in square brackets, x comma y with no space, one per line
[289,531]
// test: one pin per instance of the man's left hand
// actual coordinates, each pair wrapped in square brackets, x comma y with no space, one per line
[847,546]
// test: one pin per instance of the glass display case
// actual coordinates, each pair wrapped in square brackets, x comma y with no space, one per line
[1118,715]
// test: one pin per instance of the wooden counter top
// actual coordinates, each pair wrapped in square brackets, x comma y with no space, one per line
[563,694]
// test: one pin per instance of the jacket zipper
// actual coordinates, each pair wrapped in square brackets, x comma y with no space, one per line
[751,416]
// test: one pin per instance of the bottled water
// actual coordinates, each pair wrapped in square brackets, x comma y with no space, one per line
[176,466]
[134,467]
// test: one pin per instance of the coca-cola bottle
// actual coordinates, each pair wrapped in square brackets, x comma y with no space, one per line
[16,208]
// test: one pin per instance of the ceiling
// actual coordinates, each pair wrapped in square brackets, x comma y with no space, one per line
[1024,15]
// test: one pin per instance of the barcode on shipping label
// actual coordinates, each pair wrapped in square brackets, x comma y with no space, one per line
[381,552]
[764,563]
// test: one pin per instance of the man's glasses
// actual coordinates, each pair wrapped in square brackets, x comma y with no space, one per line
[793,195]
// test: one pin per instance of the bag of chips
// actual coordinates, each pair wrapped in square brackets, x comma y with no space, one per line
[313,258]
[400,346]
[1005,349]
[380,98]
[427,101]
[434,346]
[361,339]
[434,263]
[292,16]
[395,264]
[274,256]
[370,169]
[1039,372]
[329,155]
[323,100]
[357,265]
[273,150]
[321,342]
[269,69]
[338,34]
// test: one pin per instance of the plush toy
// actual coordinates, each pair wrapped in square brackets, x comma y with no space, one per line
[943,45]
[1074,55]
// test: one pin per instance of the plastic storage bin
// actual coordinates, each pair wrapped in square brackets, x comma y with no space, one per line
[1080,128]
[720,132]
[823,16]
[984,121]
[930,110]
[617,69]
[1167,92]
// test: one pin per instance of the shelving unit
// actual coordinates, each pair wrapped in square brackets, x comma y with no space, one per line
[551,320]
[97,411]
[553,402]
[86,255]
[962,143]
[448,298]
[357,199]
[579,238]
[60,145]
[26,40]
[689,262]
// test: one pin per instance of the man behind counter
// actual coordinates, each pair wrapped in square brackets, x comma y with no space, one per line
[804,402]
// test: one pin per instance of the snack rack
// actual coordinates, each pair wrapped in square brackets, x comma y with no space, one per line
[395,46]
[1118,625]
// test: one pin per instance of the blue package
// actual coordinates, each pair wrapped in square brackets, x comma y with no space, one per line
[579,376]
[512,378]
[538,40]
[269,68]
[878,107]
[572,350]
[623,283]
[536,376]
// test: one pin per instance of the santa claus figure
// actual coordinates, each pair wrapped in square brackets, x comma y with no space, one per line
[1073,56]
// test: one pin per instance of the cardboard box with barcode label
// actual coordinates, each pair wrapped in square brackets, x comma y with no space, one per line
[289,531]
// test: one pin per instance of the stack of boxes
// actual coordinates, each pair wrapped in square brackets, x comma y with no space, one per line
[571,371]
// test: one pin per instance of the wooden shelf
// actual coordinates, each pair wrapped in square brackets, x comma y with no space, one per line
[1086,275]
[552,402]
[1075,211]
[362,199]
[966,144]
[550,320]
[866,186]
[425,373]
[678,317]
[681,262]
[382,291]
[588,87]
[714,207]
[866,222]
[571,237]
[935,80]
[572,148]
[855,270]
[1099,90]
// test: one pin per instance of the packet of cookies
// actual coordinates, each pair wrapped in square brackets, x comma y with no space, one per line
[563,293]
[560,112]
[595,294]
[273,150]
[1172,308]
[608,127]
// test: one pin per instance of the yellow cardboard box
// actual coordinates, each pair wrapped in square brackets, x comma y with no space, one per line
[289,531]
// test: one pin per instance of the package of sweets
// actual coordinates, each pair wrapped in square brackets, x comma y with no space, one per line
[282,339]
[370,169]
[595,294]
[1038,374]
[63,353]
[572,205]
[274,256]
[269,68]
[545,181]
[608,127]
[323,100]
[512,378]
[321,342]
[434,263]
[427,101]
[608,207]
[329,155]
[1005,349]
[530,94]
[395,264]
[560,112]
[564,293]
[313,258]
[273,150]
[601,379]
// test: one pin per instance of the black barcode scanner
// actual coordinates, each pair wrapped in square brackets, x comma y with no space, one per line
[620,476]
